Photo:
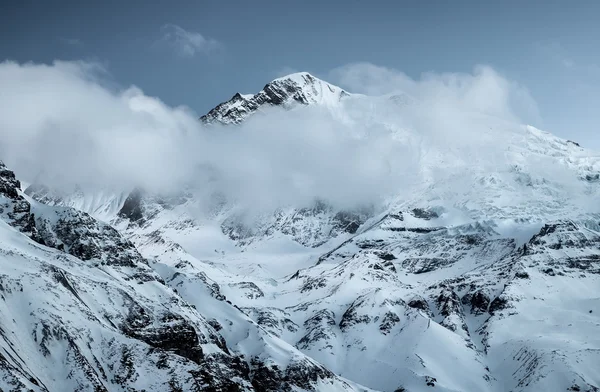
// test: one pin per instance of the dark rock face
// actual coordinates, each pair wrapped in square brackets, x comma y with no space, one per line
[424,264]
[387,256]
[399,216]
[251,290]
[449,304]
[592,177]
[390,319]
[73,232]
[478,301]
[82,236]
[348,221]
[14,206]
[173,333]
[590,263]
[304,373]
[430,381]
[318,327]
[274,320]
[9,185]
[586,388]
[522,275]
[418,302]
[370,244]
[312,283]
[352,317]
[498,304]
[567,237]
[299,375]
[424,214]
[233,111]
[266,378]
[132,208]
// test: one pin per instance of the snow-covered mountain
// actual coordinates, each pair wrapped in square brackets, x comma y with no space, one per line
[83,310]
[299,88]
[484,277]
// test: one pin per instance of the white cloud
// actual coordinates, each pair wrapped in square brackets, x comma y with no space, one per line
[188,43]
[61,126]
[483,90]
[370,79]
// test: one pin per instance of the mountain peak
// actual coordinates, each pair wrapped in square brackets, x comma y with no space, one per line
[298,77]
[287,92]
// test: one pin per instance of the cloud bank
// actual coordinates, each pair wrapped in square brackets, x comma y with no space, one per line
[60,125]
[483,90]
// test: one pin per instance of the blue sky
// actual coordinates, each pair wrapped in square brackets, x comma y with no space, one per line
[200,53]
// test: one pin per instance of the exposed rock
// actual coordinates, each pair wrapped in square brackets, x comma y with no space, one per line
[419,303]
[82,236]
[385,256]
[421,265]
[390,319]
[318,327]
[250,289]
[450,306]
[498,304]
[352,317]
[171,332]
[478,301]
[132,208]
[14,207]
[425,214]
[274,320]
[296,89]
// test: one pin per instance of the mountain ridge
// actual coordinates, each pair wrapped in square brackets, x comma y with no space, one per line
[483,278]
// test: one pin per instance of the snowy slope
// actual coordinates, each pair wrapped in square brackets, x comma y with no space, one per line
[480,273]
[82,310]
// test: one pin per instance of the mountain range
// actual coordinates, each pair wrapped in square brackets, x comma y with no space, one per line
[482,275]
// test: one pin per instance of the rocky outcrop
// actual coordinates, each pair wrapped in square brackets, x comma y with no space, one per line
[132,208]
[169,331]
[13,207]
[318,327]
[80,235]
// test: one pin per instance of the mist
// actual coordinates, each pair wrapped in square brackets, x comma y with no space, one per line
[65,124]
